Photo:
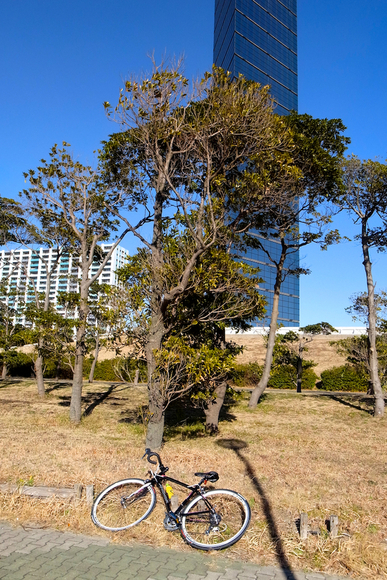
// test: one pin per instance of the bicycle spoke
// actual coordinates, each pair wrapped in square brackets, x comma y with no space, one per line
[224,526]
[123,506]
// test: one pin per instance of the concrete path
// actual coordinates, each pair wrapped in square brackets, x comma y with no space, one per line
[40,554]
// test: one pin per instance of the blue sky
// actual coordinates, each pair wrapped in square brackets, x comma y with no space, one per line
[61,60]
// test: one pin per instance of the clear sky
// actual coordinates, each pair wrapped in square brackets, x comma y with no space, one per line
[61,60]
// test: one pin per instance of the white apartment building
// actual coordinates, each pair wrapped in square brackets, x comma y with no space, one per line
[24,268]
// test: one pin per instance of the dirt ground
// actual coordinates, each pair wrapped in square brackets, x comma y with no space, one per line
[319,350]
[292,454]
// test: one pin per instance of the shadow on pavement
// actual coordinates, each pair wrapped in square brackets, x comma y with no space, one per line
[237,445]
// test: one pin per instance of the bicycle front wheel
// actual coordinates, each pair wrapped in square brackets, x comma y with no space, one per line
[217,521]
[123,504]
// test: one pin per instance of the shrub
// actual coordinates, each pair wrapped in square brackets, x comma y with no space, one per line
[19,364]
[52,370]
[343,378]
[246,375]
[281,376]
[106,370]
[285,377]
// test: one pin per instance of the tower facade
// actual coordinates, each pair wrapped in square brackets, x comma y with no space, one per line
[258,39]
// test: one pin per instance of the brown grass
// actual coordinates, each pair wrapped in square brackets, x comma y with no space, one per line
[292,454]
[319,350]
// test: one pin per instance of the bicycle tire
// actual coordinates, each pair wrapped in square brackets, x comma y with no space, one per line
[123,504]
[199,532]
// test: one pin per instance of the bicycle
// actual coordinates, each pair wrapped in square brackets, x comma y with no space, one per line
[207,519]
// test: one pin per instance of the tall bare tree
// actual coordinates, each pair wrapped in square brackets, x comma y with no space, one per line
[301,217]
[366,202]
[64,191]
[211,156]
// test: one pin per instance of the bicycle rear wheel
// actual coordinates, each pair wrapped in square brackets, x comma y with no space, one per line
[123,504]
[216,522]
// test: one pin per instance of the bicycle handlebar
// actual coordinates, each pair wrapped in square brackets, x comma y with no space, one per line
[148,454]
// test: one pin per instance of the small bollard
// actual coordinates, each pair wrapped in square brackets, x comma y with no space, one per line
[334,526]
[90,494]
[303,526]
[78,487]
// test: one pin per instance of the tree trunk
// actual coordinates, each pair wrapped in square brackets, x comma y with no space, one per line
[257,392]
[80,353]
[57,370]
[4,372]
[76,393]
[373,355]
[213,408]
[155,429]
[156,395]
[299,367]
[94,363]
[39,376]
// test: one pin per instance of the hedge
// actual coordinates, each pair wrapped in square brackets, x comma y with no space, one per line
[246,375]
[343,378]
[281,377]
[105,370]
[285,377]
[19,364]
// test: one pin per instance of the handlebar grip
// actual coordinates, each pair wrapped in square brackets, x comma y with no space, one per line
[148,453]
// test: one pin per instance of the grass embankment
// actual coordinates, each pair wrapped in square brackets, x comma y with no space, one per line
[292,454]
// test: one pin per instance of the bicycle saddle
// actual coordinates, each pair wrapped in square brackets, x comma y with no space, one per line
[209,476]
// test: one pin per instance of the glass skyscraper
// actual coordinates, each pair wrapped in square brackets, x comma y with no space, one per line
[258,38]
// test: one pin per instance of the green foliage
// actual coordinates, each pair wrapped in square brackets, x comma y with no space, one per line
[246,375]
[283,353]
[182,367]
[56,369]
[111,369]
[344,378]
[320,146]
[282,376]
[319,328]
[285,377]
[356,349]
[19,364]
[11,220]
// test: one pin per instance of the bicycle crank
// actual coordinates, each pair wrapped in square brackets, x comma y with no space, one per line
[170,524]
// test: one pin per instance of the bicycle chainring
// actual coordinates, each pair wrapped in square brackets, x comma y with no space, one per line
[169,524]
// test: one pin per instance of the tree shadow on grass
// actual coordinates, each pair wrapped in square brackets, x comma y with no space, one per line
[4,383]
[92,400]
[182,418]
[95,399]
[56,386]
[237,445]
[188,420]
[343,401]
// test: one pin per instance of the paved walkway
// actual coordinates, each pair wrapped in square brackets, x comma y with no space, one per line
[40,554]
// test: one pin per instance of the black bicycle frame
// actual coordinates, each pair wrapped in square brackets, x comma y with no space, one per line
[158,480]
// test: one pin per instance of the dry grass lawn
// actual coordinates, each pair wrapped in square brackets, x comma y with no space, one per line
[292,454]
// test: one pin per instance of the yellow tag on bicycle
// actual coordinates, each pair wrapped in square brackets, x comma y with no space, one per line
[169,490]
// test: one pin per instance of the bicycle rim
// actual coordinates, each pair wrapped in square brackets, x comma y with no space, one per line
[198,528]
[123,504]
